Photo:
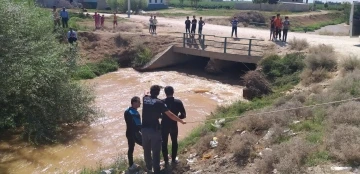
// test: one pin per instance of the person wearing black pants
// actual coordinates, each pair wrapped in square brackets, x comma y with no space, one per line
[286,25]
[187,25]
[133,129]
[169,126]
[193,26]
[234,24]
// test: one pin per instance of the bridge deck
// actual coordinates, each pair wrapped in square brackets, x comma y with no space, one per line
[249,50]
[217,55]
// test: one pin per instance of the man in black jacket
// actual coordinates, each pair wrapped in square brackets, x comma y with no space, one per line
[169,126]
[153,109]
[133,129]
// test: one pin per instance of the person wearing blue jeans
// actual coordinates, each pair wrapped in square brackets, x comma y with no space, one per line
[153,108]
[64,18]
[234,24]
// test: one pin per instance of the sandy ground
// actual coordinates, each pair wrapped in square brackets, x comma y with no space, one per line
[342,44]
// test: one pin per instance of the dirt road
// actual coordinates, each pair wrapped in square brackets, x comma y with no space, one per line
[342,44]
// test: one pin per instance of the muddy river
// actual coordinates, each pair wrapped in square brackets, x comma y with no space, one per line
[105,139]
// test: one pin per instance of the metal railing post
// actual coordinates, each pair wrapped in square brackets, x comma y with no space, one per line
[249,54]
[203,42]
[225,45]
[184,40]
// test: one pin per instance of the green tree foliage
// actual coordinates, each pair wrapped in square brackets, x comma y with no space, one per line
[37,93]
[259,1]
[114,4]
[347,9]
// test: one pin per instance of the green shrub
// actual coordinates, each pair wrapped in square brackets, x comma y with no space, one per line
[142,57]
[282,71]
[37,93]
[203,4]
[91,70]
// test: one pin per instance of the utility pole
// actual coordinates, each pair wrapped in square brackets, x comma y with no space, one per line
[128,8]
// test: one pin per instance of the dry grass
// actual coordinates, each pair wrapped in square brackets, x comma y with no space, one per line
[349,84]
[350,63]
[298,44]
[242,146]
[254,123]
[347,113]
[321,56]
[287,157]
[343,143]
[308,76]
[204,143]
[330,33]
[257,84]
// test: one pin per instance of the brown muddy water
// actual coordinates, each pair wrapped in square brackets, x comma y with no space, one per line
[105,140]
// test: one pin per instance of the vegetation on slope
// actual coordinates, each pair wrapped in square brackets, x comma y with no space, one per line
[37,93]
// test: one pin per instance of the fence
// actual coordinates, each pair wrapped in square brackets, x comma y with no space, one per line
[247,46]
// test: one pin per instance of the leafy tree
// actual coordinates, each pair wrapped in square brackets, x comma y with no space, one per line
[347,9]
[37,93]
[114,4]
[259,1]
[273,1]
[326,5]
[135,5]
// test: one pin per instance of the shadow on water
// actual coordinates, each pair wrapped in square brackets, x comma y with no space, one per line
[196,67]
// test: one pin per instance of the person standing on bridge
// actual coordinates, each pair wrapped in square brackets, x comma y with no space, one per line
[133,129]
[153,109]
[193,26]
[169,126]
[95,20]
[272,28]
[187,25]
[286,25]
[201,24]
[278,26]
[234,24]
[115,21]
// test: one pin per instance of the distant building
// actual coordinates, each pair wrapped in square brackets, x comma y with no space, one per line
[294,1]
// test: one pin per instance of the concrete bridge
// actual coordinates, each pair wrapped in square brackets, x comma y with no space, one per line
[185,48]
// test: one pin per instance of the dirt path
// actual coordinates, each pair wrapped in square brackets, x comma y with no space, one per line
[342,44]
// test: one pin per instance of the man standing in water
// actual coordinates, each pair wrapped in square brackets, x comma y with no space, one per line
[153,108]
[133,129]
[169,126]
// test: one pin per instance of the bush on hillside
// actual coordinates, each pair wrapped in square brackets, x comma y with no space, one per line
[343,143]
[37,93]
[286,157]
[298,44]
[350,63]
[242,146]
[350,84]
[257,84]
[308,76]
[282,71]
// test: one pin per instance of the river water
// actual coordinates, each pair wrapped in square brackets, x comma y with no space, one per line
[105,139]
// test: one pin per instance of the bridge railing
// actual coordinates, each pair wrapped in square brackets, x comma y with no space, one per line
[237,44]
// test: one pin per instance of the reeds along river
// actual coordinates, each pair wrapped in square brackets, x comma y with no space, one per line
[105,139]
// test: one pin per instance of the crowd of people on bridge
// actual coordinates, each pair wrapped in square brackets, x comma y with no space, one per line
[149,133]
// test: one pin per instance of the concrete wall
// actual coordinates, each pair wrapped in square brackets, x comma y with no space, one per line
[166,58]
[292,7]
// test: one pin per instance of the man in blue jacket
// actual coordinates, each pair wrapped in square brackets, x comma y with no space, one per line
[64,17]
[133,129]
